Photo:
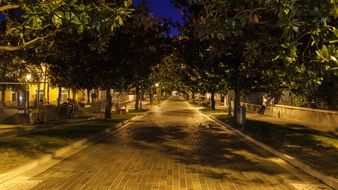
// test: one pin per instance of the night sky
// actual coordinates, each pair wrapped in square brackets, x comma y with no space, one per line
[164,9]
[161,8]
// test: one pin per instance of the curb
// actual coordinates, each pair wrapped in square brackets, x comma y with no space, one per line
[66,151]
[36,127]
[328,180]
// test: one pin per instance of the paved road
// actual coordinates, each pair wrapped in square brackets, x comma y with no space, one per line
[172,147]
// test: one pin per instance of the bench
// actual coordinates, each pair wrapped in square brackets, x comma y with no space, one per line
[25,110]
[124,109]
[121,110]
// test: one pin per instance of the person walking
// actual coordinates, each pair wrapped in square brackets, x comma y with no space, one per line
[263,105]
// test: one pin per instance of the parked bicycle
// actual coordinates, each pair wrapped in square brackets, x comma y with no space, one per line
[69,109]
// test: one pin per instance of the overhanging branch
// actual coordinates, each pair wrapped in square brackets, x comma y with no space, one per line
[8,7]
[19,47]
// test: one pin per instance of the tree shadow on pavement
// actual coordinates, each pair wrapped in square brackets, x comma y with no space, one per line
[18,118]
[212,150]
[316,148]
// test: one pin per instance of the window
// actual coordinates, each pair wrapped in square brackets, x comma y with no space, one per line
[41,94]
[14,96]
[64,95]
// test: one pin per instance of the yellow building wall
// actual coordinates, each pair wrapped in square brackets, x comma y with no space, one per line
[8,97]
[80,96]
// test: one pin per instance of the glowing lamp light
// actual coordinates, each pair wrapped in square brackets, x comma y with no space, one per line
[28,77]
[156,84]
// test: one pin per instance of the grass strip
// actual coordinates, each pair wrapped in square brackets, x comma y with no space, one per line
[18,150]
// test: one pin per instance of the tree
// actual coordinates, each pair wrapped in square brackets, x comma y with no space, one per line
[203,71]
[259,39]
[15,71]
[24,23]
[136,48]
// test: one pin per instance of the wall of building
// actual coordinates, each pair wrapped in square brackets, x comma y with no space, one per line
[53,94]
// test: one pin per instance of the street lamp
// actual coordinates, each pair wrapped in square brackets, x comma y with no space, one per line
[156,84]
[28,77]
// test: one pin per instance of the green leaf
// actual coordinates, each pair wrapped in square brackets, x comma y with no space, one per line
[73,2]
[327,67]
[335,31]
[127,3]
[57,21]
[335,14]
[119,20]
[295,28]
[286,10]
[80,29]
[334,59]
[67,15]
[325,52]
[82,7]
[75,20]
[59,14]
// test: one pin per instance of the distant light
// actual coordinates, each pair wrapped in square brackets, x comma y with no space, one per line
[43,68]
[156,84]
[20,98]
[28,77]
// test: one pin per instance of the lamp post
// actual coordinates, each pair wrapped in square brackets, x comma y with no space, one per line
[44,71]
[28,78]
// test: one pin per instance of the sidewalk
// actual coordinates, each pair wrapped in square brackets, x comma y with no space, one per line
[283,122]
[7,130]
[316,147]
[296,125]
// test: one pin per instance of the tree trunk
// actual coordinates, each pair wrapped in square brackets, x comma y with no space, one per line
[151,95]
[137,101]
[38,94]
[3,96]
[141,95]
[107,113]
[88,96]
[213,103]
[59,97]
[229,103]
[193,96]
[44,86]
[237,102]
[48,93]
[74,93]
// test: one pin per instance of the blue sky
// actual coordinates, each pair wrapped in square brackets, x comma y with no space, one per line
[162,8]
[165,9]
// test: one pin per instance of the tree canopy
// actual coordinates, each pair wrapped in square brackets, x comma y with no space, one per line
[267,45]
[24,23]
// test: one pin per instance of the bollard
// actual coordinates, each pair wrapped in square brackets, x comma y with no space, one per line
[241,116]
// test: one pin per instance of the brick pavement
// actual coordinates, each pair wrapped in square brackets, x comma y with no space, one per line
[171,148]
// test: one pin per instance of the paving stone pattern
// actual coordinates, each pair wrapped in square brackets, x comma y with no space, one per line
[173,147]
